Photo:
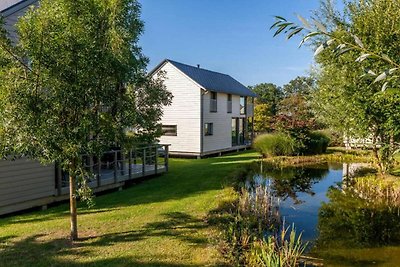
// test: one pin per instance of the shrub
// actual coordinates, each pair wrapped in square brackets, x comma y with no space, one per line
[277,144]
[336,138]
[316,143]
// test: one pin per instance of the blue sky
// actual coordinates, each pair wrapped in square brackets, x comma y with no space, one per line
[228,36]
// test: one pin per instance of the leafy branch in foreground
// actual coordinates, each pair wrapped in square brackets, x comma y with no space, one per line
[339,45]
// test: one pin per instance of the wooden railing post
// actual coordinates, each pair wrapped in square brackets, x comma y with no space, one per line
[166,156]
[123,163]
[98,171]
[115,166]
[130,164]
[156,159]
[59,180]
[144,162]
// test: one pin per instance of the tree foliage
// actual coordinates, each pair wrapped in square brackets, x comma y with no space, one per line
[75,82]
[359,57]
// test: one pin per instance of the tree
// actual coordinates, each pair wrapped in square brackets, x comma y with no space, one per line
[262,118]
[350,93]
[266,105]
[299,86]
[83,86]
[268,93]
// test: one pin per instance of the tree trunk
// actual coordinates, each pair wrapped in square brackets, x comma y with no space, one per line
[381,168]
[72,204]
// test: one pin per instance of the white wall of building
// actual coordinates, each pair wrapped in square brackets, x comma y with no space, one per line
[183,112]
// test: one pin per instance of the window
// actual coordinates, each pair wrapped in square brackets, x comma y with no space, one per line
[169,130]
[213,102]
[208,128]
[229,104]
[243,105]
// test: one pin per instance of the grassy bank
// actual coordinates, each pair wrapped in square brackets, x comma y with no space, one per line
[161,222]
[333,154]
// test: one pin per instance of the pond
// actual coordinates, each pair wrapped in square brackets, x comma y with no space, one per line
[341,228]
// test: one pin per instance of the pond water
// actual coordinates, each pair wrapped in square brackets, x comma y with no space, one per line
[341,228]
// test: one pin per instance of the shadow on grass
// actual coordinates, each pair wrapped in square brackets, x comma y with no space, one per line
[45,250]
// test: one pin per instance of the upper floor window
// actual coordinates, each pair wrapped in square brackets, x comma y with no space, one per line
[213,102]
[243,105]
[229,103]
[169,130]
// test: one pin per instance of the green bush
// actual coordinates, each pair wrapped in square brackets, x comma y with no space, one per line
[336,138]
[316,143]
[277,144]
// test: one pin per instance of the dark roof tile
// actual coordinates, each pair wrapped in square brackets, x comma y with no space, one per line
[211,80]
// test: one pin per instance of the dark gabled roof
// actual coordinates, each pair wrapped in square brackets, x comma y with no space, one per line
[12,6]
[211,80]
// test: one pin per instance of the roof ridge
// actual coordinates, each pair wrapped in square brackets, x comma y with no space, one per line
[173,61]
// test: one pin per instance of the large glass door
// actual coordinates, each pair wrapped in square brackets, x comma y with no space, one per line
[235,130]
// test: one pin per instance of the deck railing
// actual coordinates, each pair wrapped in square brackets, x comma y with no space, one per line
[117,166]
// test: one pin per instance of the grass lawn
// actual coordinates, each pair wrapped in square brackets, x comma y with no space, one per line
[160,222]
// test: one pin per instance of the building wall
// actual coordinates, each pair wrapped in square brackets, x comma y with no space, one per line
[183,112]
[222,121]
[25,180]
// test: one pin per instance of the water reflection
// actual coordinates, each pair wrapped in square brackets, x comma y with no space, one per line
[320,201]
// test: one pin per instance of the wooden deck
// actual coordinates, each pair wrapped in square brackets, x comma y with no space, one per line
[112,170]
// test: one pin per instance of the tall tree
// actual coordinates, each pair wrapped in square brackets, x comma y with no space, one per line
[358,52]
[82,87]
[301,85]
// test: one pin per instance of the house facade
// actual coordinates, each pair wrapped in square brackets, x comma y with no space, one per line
[210,112]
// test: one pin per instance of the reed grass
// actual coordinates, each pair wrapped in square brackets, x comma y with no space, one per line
[282,250]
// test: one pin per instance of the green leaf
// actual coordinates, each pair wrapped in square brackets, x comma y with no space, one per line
[358,41]
[304,21]
[319,50]
[384,86]
[275,24]
[381,77]
[386,57]
[320,26]
[282,27]
[343,51]
[296,31]
[308,36]
[391,71]
[280,18]
[362,57]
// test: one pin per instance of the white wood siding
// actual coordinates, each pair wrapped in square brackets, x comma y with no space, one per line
[183,112]
[24,180]
[222,122]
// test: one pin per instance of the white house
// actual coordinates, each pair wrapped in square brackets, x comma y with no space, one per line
[210,112]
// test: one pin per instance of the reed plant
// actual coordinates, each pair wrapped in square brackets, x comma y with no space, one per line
[282,250]
[254,236]
[384,191]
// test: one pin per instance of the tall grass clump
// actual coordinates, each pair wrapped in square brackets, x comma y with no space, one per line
[276,144]
[252,236]
[282,250]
